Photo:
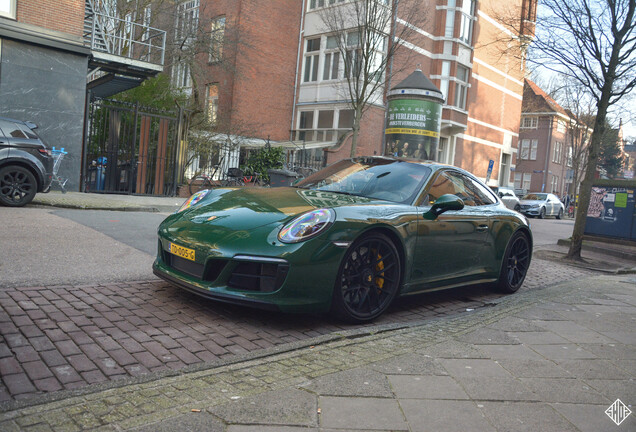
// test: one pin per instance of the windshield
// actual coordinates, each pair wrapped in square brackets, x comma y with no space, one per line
[384,179]
[536,197]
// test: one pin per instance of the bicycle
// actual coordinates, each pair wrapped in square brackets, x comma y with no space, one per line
[233,177]
[203,181]
[255,180]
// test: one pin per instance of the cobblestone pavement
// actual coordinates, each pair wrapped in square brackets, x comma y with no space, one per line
[70,337]
[540,360]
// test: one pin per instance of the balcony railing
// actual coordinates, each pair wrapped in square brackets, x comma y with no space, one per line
[123,37]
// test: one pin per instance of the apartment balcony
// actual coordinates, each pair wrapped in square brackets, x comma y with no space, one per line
[123,52]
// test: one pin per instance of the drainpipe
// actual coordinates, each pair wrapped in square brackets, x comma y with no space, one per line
[547,156]
[300,45]
[389,76]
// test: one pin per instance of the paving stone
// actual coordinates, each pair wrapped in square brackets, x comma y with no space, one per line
[410,364]
[284,407]
[36,370]
[488,336]
[592,418]
[444,416]
[191,422]
[565,390]
[361,413]
[426,387]
[533,368]
[525,417]
[472,368]
[18,383]
[497,389]
[600,369]
[563,352]
[355,382]
[623,389]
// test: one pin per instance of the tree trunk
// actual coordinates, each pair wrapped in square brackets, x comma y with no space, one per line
[356,131]
[590,169]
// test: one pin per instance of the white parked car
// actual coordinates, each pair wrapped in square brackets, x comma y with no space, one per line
[507,196]
[542,204]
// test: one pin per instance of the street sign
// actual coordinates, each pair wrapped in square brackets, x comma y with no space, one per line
[491,164]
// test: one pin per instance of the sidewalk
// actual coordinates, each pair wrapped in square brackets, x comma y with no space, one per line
[94,201]
[545,359]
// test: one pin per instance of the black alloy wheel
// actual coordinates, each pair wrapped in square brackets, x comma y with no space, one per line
[368,280]
[560,215]
[515,263]
[17,186]
[542,213]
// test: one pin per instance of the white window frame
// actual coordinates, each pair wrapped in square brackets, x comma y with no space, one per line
[556,156]
[461,88]
[311,62]
[561,126]
[331,63]
[526,182]
[449,26]
[466,23]
[534,144]
[9,9]
[444,80]
[530,122]
[518,180]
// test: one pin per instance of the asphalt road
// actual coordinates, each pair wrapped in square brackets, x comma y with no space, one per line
[40,246]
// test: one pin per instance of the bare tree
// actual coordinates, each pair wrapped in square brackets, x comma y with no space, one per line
[367,34]
[580,107]
[592,42]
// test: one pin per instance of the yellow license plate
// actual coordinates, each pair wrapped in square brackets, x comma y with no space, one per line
[181,251]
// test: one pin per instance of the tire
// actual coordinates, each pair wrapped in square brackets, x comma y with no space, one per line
[515,263]
[560,214]
[368,279]
[517,207]
[17,186]
[542,213]
[199,183]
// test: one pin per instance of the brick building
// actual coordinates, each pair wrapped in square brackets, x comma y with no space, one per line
[286,82]
[545,151]
[47,49]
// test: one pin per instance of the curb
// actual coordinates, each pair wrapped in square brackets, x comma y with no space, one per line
[606,251]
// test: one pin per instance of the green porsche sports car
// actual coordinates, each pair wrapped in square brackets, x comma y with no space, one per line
[348,239]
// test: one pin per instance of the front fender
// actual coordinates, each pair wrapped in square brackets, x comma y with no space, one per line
[25,159]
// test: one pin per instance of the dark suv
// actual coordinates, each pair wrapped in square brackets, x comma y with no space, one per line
[26,164]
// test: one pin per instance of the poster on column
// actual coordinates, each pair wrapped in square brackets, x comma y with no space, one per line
[412,129]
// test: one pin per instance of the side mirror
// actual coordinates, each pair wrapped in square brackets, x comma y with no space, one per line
[31,125]
[443,204]
[501,194]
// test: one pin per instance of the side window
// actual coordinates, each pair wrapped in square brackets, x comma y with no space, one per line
[11,129]
[482,195]
[28,132]
[449,182]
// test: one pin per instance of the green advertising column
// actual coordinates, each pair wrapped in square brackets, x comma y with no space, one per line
[413,118]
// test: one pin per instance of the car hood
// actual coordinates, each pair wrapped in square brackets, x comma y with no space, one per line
[249,208]
[531,202]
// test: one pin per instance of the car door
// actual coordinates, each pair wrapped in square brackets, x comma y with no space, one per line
[552,205]
[449,248]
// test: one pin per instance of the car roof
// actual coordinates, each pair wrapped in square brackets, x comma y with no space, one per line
[13,120]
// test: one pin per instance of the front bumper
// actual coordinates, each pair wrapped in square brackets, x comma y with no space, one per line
[531,211]
[300,278]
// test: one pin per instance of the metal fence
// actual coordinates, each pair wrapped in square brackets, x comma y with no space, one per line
[132,149]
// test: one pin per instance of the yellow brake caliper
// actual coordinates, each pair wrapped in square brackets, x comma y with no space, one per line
[379,267]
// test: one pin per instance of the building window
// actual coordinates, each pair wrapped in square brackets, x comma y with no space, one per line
[449,29]
[561,126]
[7,8]
[558,151]
[554,186]
[527,181]
[461,87]
[504,170]
[187,20]
[181,75]
[353,61]
[217,36]
[316,4]
[568,160]
[312,55]
[466,25]
[332,59]
[529,122]
[212,103]
[345,120]
[529,149]
[444,80]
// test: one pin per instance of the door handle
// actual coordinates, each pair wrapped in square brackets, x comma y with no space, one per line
[482,228]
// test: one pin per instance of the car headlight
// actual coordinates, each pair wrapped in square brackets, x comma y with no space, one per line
[306,226]
[193,200]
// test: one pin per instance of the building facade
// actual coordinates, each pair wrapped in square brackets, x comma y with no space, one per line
[545,162]
[284,77]
[47,49]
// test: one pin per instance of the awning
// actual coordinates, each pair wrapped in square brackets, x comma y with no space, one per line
[112,84]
